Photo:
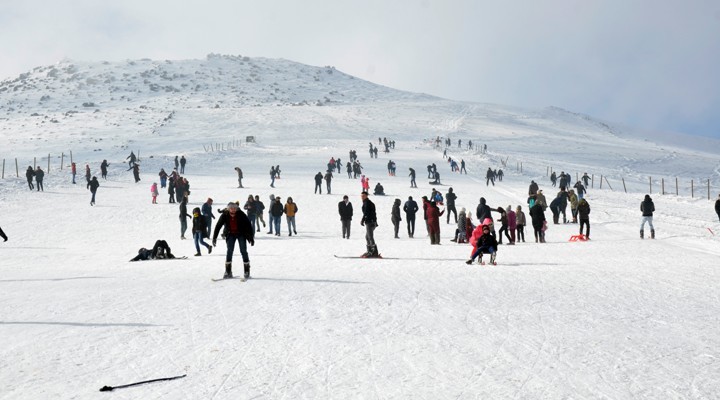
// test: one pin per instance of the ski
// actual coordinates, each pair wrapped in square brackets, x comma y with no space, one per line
[366,258]
[240,278]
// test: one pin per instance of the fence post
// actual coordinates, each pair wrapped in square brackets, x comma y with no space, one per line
[708,189]
[521,167]
[34,162]
[608,183]
[48,171]
[17,171]
[624,187]
[601,181]
[662,183]
[577,177]
[3,172]
[138,155]
[71,158]
[677,191]
[547,171]
[650,178]
[62,160]
[592,181]
[692,189]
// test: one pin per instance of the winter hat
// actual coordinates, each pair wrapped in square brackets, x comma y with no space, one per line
[462,210]
[232,205]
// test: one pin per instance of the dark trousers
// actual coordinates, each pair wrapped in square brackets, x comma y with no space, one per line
[346,228]
[318,187]
[585,222]
[40,186]
[504,229]
[520,232]
[230,242]
[451,209]
[410,224]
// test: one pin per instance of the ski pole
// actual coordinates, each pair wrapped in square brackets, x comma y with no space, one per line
[111,388]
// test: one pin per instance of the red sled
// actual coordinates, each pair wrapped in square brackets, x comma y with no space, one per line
[578,238]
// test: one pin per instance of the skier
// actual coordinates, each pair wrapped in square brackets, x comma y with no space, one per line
[412,178]
[240,176]
[208,216]
[290,210]
[345,210]
[584,213]
[199,231]
[154,192]
[132,159]
[411,208]
[3,235]
[182,164]
[93,185]
[369,220]
[29,175]
[103,169]
[395,217]
[647,207]
[183,214]
[39,175]
[484,243]
[450,198]
[433,222]
[237,229]
[159,251]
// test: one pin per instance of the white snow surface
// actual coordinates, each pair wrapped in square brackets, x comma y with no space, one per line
[613,318]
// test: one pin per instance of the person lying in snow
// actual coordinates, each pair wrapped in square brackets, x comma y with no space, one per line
[160,251]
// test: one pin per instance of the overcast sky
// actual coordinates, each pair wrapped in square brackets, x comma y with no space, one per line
[646,64]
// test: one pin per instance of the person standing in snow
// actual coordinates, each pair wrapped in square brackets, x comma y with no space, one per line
[328,180]
[136,172]
[411,208]
[583,210]
[580,189]
[395,217]
[318,182]
[537,215]
[39,175]
[369,221]
[290,210]
[412,178]
[533,189]
[103,169]
[573,205]
[73,168]
[520,223]
[250,210]
[503,225]
[237,229]
[154,192]
[433,222]
[647,207]
[717,206]
[240,176]
[277,209]
[208,216]
[183,214]
[272,176]
[345,209]
[489,177]
[29,175]
[3,235]
[450,198]
[259,211]
[93,185]
[512,223]
[177,163]
[88,174]
[199,231]
[183,161]
[163,178]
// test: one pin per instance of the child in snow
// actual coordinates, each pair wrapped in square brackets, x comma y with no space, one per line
[154,192]
[484,243]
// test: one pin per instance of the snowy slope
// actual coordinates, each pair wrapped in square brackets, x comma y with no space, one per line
[615,317]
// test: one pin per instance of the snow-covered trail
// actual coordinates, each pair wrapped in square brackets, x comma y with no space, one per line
[616,317]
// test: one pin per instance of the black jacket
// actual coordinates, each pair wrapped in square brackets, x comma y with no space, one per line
[584,210]
[537,215]
[450,199]
[183,209]
[39,175]
[244,227]
[395,213]
[410,208]
[482,211]
[318,178]
[717,206]
[198,225]
[368,210]
[647,207]
[276,209]
[30,174]
[487,240]
[93,185]
[345,211]
[533,189]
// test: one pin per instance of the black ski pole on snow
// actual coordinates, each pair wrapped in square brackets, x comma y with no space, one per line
[111,388]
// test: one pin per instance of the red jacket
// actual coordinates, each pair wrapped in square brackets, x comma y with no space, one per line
[433,218]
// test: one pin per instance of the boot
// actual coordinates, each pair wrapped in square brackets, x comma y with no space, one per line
[652,234]
[642,233]
[228,271]
[246,266]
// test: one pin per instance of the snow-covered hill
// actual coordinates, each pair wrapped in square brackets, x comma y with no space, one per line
[616,317]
